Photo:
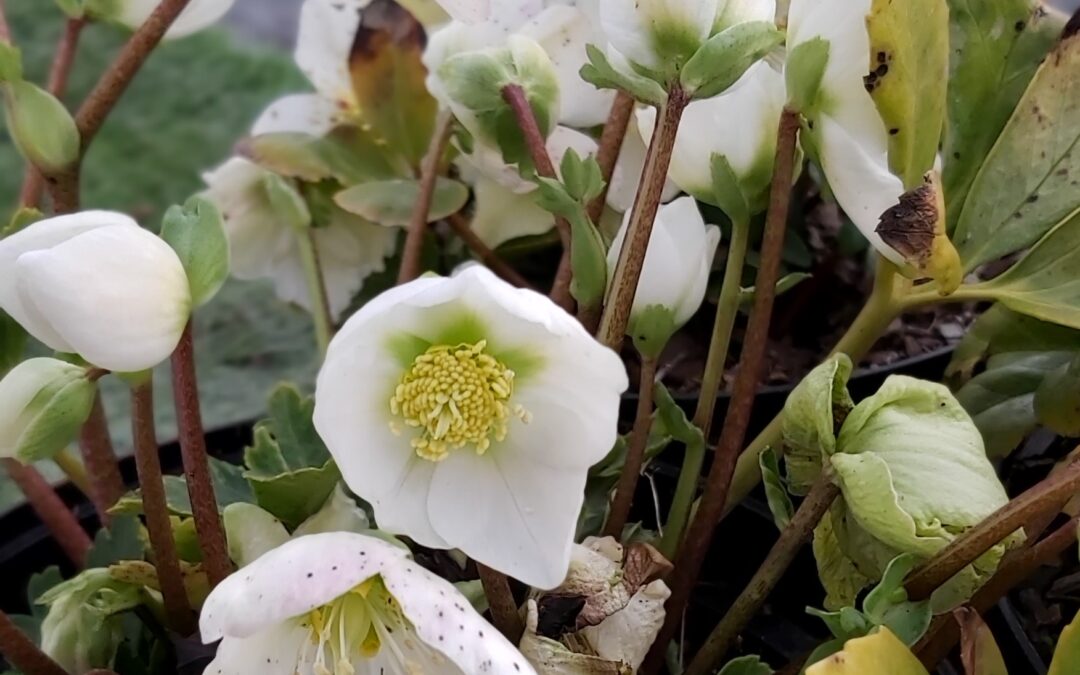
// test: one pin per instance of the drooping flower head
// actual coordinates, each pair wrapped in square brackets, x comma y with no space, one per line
[343,603]
[97,285]
[467,412]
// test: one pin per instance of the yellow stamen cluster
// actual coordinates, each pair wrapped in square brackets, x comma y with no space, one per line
[457,396]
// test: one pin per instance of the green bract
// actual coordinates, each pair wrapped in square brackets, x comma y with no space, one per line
[196,231]
[43,404]
[41,126]
[912,470]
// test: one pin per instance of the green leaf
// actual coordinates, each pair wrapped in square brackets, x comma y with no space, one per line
[1043,284]
[1028,183]
[294,496]
[287,439]
[12,343]
[121,541]
[838,573]
[888,605]
[909,47]
[39,584]
[388,78]
[392,202]
[1057,400]
[1001,399]
[978,650]
[600,73]
[724,58]
[727,191]
[196,231]
[348,155]
[1067,654]
[996,47]
[746,665]
[810,416]
[879,653]
[582,177]
[230,487]
[804,72]
[1000,330]
[775,491]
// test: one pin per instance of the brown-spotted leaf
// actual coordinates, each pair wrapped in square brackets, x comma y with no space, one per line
[907,77]
[978,649]
[915,227]
[388,80]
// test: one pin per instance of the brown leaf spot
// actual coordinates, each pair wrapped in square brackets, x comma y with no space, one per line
[910,226]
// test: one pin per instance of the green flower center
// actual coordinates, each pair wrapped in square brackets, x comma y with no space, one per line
[457,396]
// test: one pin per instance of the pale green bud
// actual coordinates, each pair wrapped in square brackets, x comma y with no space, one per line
[41,126]
[43,404]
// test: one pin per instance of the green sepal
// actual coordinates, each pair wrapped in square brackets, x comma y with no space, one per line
[721,61]
[600,73]
[651,328]
[41,127]
[727,192]
[196,231]
[51,419]
[803,73]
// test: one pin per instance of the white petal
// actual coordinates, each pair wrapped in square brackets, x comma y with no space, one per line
[271,651]
[563,32]
[299,113]
[469,11]
[403,509]
[446,622]
[350,250]
[502,215]
[519,517]
[41,235]
[323,44]
[739,124]
[842,23]
[732,12]
[863,185]
[117,295]
[258,239]
[199,14]
[631,25]
[292,580]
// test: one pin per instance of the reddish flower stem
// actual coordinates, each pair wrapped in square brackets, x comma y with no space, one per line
[611,142]
[33,182]
[515,97]
[429,177]
[711,508]
[635,452]
[504,610]
[624,285]
[53,512]
[64,186]
[461,228]
[99,457]
[204,506]
[21,652]
[155,508]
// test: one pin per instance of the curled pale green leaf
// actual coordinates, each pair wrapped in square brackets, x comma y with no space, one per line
[838,573]
[810,416]
[724,58]
[600,73]
[775,490]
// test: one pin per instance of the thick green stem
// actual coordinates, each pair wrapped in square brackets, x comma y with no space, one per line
[316,283]
[726,311]
[624,283]
[887,301]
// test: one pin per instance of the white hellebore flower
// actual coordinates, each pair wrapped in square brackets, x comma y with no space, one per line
[342,603]
[658,35]
[562,28]
[198,14]
[739,124]
[97,285]
[850,136]
[675,274]
[263,243]
[468,412]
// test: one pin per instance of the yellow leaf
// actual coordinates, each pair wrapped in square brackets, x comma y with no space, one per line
[879,654]
[908,78]
[1067,655]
